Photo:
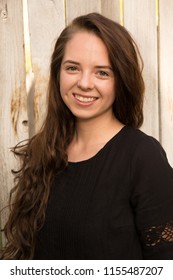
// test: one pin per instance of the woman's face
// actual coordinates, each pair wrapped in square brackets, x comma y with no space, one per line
[87,82]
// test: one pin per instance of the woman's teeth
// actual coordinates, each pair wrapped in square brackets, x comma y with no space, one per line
[85,99]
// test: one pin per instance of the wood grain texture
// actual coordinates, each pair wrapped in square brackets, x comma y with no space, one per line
[111,9]
[166,75]
[13,106]
[75,8]
[46,21]
[140,20]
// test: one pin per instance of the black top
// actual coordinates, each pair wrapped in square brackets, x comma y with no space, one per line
[115,205]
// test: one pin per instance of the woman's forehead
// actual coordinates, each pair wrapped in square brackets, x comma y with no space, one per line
[86,45]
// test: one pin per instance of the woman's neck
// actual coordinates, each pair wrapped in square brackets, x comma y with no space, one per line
[91,131]
[91,136]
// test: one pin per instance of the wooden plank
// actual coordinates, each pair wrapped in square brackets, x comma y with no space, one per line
[166,75]
[75,8]
[13,115]
[140,20]
[46,21]
[110,9]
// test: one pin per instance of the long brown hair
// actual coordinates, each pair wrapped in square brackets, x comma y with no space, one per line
[45,154]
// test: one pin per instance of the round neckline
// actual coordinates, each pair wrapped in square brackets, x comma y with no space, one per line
[116,136]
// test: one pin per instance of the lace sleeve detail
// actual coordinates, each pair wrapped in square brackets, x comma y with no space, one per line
[156,235]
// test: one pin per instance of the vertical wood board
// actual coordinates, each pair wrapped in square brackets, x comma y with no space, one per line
[166,75]
[13,109]
[140,20]
[111,9]
[46,21]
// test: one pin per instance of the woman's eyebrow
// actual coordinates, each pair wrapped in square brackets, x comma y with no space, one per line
[103,66]
[71,61]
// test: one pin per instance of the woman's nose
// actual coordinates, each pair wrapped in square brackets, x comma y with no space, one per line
[85,82]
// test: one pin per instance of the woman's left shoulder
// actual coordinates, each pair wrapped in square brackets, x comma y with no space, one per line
[146,145]
[147,155]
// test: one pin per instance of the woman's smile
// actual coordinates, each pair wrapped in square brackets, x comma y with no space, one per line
[84,100]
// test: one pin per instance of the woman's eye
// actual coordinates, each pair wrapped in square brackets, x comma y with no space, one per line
[103,74]
[71,68]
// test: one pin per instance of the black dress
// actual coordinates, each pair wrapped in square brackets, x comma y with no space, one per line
[115,205]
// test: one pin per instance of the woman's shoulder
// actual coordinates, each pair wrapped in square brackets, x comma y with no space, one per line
[142,140]
[143,147]
[137,134]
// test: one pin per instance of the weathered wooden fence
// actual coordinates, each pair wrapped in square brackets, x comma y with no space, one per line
[22,111]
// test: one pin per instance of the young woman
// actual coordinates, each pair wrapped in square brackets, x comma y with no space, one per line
[91,184]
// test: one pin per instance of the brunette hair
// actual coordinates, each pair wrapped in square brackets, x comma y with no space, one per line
[45,154]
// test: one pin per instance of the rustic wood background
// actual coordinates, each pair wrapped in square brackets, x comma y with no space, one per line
[23,96]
